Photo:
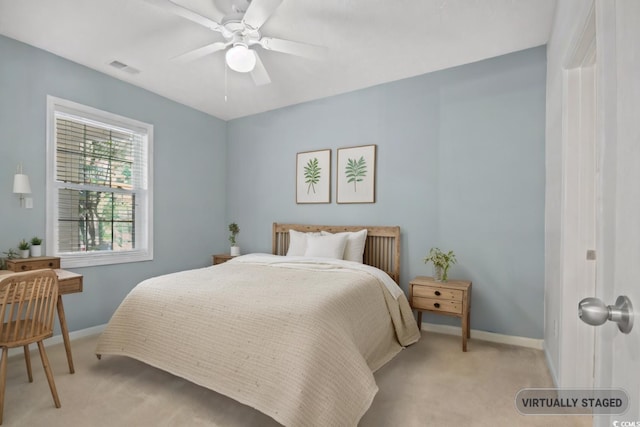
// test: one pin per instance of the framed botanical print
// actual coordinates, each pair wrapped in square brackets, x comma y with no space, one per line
[356,174]
[313,177]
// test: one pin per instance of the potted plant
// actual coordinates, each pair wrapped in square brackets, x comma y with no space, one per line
[36,246]
[441,263]
[10,254]
[234,230]
[23,246]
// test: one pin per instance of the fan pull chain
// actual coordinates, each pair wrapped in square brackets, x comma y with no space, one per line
[225,81]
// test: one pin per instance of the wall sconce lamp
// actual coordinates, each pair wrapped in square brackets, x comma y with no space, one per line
[22,186]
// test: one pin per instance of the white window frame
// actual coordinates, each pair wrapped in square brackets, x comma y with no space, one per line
[144,210]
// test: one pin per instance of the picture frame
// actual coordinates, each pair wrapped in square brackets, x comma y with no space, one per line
[313,177]
[356,174]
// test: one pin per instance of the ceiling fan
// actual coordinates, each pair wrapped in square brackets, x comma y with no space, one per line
[241,32]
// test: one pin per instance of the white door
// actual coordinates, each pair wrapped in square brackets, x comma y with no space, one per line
[617,355]
[581,204]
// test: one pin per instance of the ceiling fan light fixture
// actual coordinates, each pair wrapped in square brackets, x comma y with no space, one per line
[241,59]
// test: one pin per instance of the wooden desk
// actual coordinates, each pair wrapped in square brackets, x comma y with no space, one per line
[68,283]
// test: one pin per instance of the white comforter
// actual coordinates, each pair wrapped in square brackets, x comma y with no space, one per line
[297,339]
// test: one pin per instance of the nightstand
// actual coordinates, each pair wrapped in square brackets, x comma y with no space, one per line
[451,298]
[220,258]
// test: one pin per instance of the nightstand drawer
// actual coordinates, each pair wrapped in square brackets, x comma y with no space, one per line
[437,292]
[435,304]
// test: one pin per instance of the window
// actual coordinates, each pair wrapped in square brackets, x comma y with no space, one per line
[99,186]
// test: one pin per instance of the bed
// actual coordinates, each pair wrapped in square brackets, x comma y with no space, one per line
[296,337]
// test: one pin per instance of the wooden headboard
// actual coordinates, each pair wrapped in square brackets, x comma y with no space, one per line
[382,249]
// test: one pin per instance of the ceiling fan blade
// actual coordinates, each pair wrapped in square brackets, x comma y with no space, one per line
[259,73]
[201,52]
[294,48]
[259,11]
[172,7]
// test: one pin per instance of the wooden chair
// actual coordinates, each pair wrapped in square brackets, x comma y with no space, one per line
[27,307]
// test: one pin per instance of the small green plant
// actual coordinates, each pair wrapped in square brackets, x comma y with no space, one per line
[36,241]
[24,245]
[11,254]
[441,261]
[234,230]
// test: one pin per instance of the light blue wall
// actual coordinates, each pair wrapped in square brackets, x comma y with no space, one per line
[189,159]
[460,166]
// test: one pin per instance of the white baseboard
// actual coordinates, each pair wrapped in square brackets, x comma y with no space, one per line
[538,344]
[57,339]
[94,330]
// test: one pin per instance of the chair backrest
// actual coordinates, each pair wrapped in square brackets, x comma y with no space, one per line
[27,307]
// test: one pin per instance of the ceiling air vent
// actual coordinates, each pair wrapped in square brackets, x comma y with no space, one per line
[124,67]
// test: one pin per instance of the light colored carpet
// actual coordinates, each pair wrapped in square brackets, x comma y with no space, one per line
[431,383]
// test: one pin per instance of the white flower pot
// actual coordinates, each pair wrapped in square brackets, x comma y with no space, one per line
[24,253]
[36,250]
[235,251]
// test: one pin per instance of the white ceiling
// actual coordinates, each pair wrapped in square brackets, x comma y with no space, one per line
[369,42]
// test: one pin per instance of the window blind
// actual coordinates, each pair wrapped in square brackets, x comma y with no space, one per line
[100,175]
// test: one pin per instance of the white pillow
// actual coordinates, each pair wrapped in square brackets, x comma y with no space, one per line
[298,242]
[355,244]
[326,246]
